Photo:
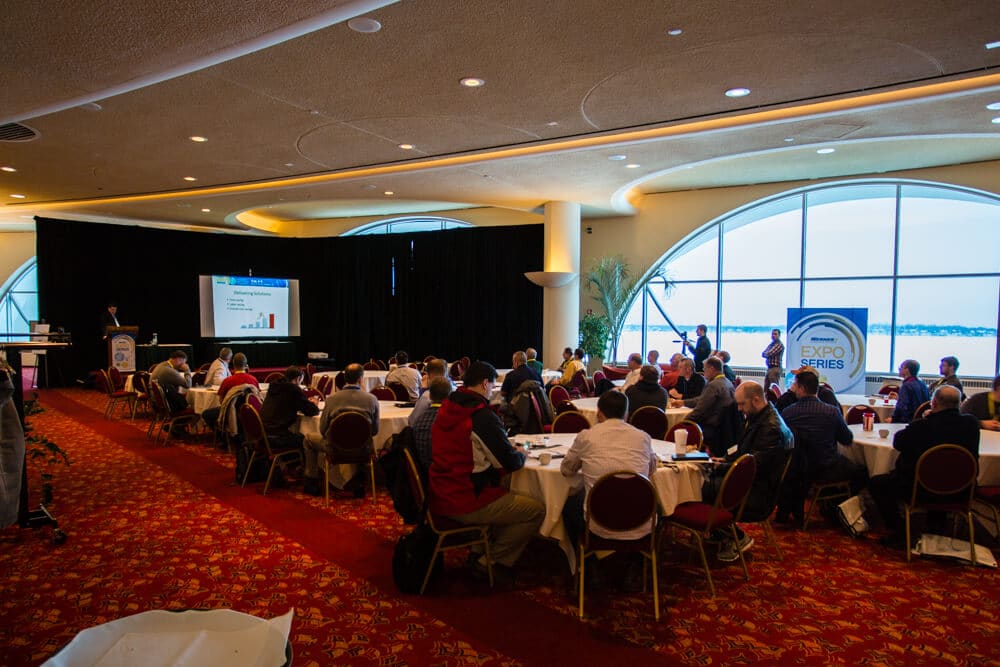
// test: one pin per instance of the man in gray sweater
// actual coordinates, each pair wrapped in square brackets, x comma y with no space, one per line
[714,411]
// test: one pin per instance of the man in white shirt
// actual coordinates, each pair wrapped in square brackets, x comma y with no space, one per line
[634,366]
[219,369]
[610,446]
[404,375]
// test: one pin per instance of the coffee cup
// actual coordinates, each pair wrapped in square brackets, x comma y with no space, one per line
[883,433]
[681,438]
[545,458]
[871,401]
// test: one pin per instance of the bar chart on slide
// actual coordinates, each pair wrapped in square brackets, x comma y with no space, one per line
[263,321]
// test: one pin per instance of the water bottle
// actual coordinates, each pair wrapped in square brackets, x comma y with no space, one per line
[155,341]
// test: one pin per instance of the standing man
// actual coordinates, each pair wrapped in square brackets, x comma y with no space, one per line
[109,318]
[609,446]
[714,410]
[219,369]
[773,354]
[948,368]
[912,393]
[943,425]
[985,406]
[470,453]
[519,374]
[634,365]
[701,349]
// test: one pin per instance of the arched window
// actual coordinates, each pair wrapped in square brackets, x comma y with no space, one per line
[407,225]
[923,258]
[19,300]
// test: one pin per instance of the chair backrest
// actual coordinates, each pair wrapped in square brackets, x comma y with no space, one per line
[254,434]
[349,431]
[773,392]
[384,394]
[557,394]
[310,369]
[695,436]
[650,419]
[921,409]
[205,367]
[382,366]
[456,370]
[254,401]
[372,365]
[309,393]
[117,381]
[622,501]
[466,362]
[736,484]
[274,377]
[156,399]
[416,483]
[324,384]
[944,470]
[570,422]
[339,380]
[737,382]
[856,414]
[579,383]
[140,382]
[105,381]
[536,410]
[613,373]
[198,379]
[887,389]
[399,391]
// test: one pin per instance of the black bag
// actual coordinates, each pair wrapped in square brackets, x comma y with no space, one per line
[258,471]
[393,465]
[411,557]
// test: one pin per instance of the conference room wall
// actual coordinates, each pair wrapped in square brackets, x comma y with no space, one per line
[457,292]
[16,248]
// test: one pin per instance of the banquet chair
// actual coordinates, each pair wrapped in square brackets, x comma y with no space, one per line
[570,422]
[116,395]
[164,419]
[383,366]
[324,384]
[466,362]
[699,519]
[856,415]
[384,393]
[945,481]
[140,384]
[598,376]
[309,393]
[737,382]
[274,377]
[773,392]
[456,371]
[204,367]
[823,492]
[198,379]
[255,402]
[450,534]
[650,419]
[372,365]
[695,436]
[558,394]
[349,441]
[309,372]
[765,520]
[117,379]
[888,389]
[255,437]
[990,496]
[614,373]
[578,385]
[921,409]
[429,358]
[339,380]
[536,410]
[399,391]
[621,502]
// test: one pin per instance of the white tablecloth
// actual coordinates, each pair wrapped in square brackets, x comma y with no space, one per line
[203,398]
[882,408]
[675,484]
[370,380]
[588,406]
[879,457]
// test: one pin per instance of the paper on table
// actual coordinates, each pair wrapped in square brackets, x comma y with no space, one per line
[217,637]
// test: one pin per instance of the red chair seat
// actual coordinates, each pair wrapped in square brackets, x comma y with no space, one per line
[123,394]
[696,515]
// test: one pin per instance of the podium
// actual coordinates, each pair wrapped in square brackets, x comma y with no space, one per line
[121,348]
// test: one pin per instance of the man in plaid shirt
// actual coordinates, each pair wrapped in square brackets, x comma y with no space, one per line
[773,354]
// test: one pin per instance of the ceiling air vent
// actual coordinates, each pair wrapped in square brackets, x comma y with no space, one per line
[17,132]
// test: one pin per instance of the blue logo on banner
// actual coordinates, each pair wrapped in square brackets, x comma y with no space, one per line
[833,341]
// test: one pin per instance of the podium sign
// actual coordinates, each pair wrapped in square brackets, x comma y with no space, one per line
[121,348]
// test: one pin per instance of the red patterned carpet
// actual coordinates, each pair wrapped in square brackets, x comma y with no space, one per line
[155,527]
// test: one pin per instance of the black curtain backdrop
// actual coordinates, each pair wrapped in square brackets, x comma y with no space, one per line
[450,293]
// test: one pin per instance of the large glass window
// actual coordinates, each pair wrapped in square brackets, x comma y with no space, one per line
[924,259]
[408,224]
[19,301]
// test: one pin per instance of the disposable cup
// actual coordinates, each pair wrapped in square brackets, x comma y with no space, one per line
[545,458]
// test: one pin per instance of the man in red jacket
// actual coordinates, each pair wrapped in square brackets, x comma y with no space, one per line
[469,454]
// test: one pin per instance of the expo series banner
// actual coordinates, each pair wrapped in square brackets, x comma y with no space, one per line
[833,341]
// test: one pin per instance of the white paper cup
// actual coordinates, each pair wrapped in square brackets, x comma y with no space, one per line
[883,433]
[545,458]
[681,437]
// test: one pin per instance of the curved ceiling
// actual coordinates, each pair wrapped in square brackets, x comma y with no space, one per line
[306,119]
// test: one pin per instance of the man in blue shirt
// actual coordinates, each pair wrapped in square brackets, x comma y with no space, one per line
[912,393]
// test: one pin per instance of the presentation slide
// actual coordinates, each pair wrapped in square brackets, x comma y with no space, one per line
[248,307]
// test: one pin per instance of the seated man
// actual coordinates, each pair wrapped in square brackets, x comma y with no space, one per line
[985,407]
[439,390]
[948,368]
[726,370]
[520,373]
[825,393]
[669,378]
[714,411]
[770,442]
[533,361]
[944,424]
[818,428]
[469,454]
[218,370]
[351,398]
[435,368]
[689,384]
[634,363]
[572,367]
[652,357]
[912,393]
[239,377]
[405,375]
[174,376]
[609,446]
[280,411]
[647,391]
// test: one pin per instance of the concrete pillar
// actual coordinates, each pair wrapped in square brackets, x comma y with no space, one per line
[561,319]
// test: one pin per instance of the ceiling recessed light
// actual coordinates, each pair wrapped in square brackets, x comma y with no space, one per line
[632,166]
[388,193]
[406,147]
[826,151]
[91,106]
[8,169]
[993,45]
[190,178]
[206,210]
[198,140]
[19,196]
[996,121]
[994,106]
[673,32]
[737,92]
[472,82]
[552,123]
[789,140]
[617,157]
[364,24]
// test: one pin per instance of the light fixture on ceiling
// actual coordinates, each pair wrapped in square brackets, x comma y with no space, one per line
[364,24]
[206,210]
[8,169]
[91,106]
[289,164]
[994,106]
[19,196]
[197,139]
[406,147]
[388,193]
[617,157]
[737,92]
[789,140]
[632,166]
[826,151]
[552,123]
[674,32]
[190,178]
[993,45]
[472,82]
[996,121]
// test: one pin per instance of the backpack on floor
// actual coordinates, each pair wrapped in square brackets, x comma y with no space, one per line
[411,557]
